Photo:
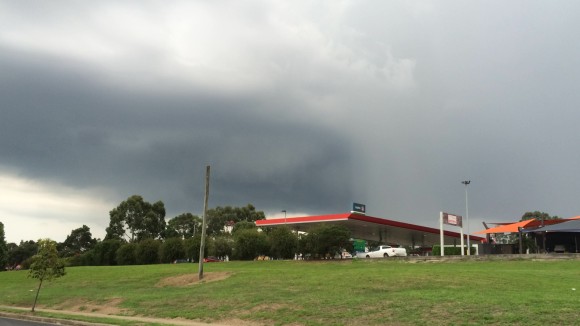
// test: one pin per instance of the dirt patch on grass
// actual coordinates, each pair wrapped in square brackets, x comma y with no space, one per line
[270,307]
[110,307]
[238,322]
[265,310]
[192,279]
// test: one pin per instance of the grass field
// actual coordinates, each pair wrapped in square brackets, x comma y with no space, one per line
[358,292]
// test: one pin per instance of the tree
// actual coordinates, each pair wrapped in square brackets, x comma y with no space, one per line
[219,217]
[250,243]
[104,253]
[20,254]
[3,249]
[283,243]
[147,252]
[79,241]
[135,219]
[184,226]
[192,246]
[540,216]
[126,254]
[171,250]
[326,240]
[222,246]
[46,265]
[243,225]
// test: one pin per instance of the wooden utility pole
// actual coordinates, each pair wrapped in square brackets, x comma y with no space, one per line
[204,225]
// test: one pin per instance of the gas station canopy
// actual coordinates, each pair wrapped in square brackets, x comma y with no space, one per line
[371,228]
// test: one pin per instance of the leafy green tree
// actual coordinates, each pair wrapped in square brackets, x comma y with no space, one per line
[249,213]
[126,254]
[147,252]
[135,219]
[184,226]
[221,246]
[79,241]
[220,217]
[20,254]
[326,240]
[104,253]
[249,244]
[283,243]
[46,265]
[3,249]
[171,250]
[243,225]
[537,215]
[192,246]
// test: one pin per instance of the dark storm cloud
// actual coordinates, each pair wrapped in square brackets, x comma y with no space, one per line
[303,107]
[59,123]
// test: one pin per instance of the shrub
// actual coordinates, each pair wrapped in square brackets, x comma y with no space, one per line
[147,252]
[171,250]
[76,260]
[249,244]
[221,246]
[449,251]
[326,240]
[283,243]
[192,246]
[104,253]
[126,254]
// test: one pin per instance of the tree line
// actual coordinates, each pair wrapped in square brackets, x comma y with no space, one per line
[138,234]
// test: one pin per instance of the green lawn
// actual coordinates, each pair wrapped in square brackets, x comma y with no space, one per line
[359,292]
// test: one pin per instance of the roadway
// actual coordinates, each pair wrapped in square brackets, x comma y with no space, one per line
[4,321]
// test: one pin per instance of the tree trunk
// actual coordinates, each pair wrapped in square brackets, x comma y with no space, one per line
[37,292]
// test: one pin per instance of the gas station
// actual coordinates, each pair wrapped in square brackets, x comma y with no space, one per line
[371,228]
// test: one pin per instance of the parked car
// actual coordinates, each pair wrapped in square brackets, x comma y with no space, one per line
[181,261]
[344,255]
[560,248]
[211,259]
[383,251]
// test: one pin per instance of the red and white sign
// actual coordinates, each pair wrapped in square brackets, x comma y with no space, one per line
[452,219]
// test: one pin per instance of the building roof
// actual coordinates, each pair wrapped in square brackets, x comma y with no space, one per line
[371,228]
[571,225]
[514,227]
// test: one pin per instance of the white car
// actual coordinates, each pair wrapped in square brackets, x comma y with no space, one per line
[383,251]
[344,255]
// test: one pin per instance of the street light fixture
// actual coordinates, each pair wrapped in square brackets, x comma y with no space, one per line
[284,211]
[466,182]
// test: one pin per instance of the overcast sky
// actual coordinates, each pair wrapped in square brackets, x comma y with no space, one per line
[304,106]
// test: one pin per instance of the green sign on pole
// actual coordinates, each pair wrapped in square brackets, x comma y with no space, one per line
[359,245]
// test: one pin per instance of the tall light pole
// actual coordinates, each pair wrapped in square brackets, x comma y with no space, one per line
[284,211]
[466,182]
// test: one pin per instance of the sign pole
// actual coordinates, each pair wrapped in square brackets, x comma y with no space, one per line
[462,247]
[441,232]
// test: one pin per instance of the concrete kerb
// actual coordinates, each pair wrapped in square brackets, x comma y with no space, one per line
[27,315]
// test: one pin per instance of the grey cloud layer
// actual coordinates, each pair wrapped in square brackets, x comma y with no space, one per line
[300,107]
[60,125]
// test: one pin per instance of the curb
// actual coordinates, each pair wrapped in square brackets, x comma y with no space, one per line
[56,321]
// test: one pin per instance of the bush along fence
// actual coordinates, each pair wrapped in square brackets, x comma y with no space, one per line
[450,251]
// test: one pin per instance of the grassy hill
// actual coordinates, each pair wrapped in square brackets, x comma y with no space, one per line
[359,292]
